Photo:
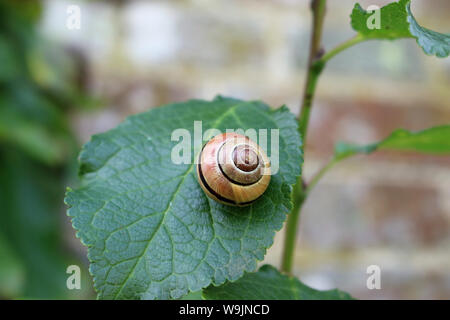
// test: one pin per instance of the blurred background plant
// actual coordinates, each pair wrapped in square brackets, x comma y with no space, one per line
[40,85]
[389,209]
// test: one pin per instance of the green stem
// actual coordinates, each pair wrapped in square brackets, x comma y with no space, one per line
[314,70]
[319,174]
[345,45]
[316,63]
[291,229]
[317,68]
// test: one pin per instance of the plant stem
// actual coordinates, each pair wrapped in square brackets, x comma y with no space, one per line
[320,174]
[314,70]
[291,228]
[315,66]
[344,45]
[316,62]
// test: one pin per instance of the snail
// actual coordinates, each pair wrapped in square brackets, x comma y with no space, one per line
[233,170]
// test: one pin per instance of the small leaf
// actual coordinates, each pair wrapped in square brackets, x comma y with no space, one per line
[432,42]
[435,140]
[393,19]
[397,21]
[269,284]
[151,231]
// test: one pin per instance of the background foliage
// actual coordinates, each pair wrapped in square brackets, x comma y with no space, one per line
[38,89]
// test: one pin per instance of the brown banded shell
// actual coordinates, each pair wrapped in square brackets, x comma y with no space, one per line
[233,170]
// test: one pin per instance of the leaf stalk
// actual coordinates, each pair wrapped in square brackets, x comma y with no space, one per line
[314,70]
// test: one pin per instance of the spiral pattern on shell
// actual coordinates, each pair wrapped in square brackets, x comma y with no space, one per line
[233,169]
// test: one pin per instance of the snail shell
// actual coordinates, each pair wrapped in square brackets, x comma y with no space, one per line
[233,170]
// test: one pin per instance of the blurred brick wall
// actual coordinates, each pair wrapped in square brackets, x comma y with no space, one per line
[389,209]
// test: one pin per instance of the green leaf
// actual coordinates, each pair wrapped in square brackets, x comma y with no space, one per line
[435,140]
[432,42]
[397,21]
[151,231]
[12,273]
[193,296]
[393,20]
[269,284]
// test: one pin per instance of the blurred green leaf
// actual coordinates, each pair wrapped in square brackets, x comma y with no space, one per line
[9,64]
[12,273]
[33,138]
[29,222]
[396,21]
[269,284]
[25,10]
[32,232]
[435,140]
[39,83]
